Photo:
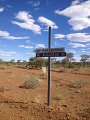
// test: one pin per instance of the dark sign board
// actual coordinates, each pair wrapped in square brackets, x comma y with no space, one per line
[50,54]
[45,50]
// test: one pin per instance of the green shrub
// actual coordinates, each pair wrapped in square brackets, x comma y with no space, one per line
[31,83]
[77,83]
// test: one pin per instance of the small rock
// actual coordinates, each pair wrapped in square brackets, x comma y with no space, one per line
[21,116]
[65,105]
[61,108]
[10,106]
[78,91]
[83,92]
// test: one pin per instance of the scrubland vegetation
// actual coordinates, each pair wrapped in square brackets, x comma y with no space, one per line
[23,89]
[68,62]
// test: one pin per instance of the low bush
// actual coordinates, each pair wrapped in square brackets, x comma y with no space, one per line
[77,83]
[62,69]
[31,83]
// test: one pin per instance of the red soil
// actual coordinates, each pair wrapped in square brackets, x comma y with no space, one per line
[31,104]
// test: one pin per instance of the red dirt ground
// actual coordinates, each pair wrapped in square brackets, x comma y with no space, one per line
[67,103]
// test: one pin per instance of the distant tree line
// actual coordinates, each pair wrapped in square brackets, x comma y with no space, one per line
[68,62]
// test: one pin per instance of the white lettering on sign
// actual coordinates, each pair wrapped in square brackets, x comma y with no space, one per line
[44,70]
[47,50]
[50,54]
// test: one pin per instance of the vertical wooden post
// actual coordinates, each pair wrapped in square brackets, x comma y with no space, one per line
[49,68]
